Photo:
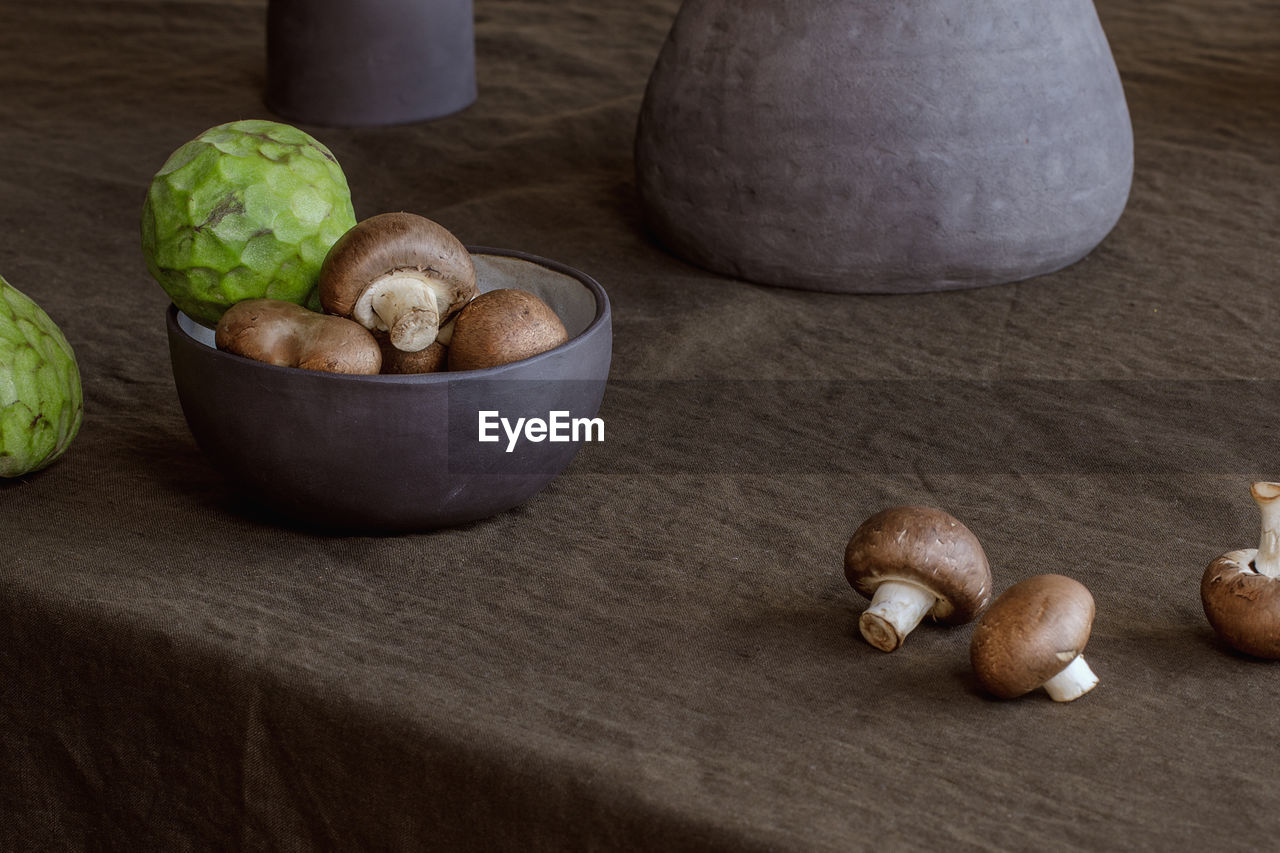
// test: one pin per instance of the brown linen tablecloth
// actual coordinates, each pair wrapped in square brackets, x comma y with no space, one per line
[659,651]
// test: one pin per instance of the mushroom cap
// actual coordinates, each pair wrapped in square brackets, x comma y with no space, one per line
[1031,633]
[397,361]
[501,326]
[925,546]
[388,242]
[286,334]
[1242,604]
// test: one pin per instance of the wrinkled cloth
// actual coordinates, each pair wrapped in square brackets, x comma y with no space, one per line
[660,650]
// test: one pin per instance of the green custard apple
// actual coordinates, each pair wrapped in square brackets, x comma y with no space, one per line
[243,211]
[41,401]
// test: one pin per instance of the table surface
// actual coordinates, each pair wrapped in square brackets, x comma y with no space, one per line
[660,650]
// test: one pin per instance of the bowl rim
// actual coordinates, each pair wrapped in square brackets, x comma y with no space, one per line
[602,318]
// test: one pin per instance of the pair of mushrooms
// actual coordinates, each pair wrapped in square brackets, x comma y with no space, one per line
[913,561]
[399,294]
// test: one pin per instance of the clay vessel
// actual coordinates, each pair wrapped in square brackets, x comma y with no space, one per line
[860,146]
[374,62]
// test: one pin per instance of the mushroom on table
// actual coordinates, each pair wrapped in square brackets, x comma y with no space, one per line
[399,273]
[1033,636]
[1240,590]
[913,561]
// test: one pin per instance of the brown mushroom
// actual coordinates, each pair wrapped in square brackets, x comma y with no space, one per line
[502,326]
[397,361]
[1032,636]
[912,561]
[289,335]
[1240,590]
[400,273]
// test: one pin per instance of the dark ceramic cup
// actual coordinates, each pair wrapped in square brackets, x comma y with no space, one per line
[373,62]
[402,453]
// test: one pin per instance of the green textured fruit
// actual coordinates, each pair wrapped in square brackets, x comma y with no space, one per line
[41,402]
[245,210]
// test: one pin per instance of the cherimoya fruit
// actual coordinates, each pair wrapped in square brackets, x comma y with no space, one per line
[246,210]
[41,401]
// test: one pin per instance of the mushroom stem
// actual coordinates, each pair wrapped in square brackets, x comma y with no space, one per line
[405,304]
[1267,496]
[1073,682]
[445,335]
[896,609]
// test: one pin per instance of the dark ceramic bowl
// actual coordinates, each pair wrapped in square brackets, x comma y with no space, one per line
[403,453]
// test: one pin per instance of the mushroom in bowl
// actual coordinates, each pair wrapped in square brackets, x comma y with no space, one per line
[501,326]
[289,335]
[398,273]
[397,453]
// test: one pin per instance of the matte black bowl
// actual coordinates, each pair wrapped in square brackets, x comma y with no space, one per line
[402,453]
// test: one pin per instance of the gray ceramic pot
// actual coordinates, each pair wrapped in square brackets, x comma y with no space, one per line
[371,62]
[398,453]
[859,146]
